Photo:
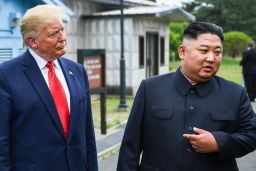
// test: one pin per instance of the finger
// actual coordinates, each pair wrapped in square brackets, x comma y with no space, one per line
[194,147]
[198,130]
[198,150]
[186,136]
[192,137]
[192,142]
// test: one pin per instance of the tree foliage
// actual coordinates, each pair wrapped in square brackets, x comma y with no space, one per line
[176,31]
[232,15]
[235,43]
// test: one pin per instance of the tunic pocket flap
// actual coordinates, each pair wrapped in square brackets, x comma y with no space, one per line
[223,115]
[162,113]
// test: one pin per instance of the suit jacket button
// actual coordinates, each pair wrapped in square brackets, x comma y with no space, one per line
[68,146]
[188,150]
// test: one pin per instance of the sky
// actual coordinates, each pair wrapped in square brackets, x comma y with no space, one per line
[173,2]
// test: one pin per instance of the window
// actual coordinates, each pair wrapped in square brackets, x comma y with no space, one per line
[162,50]
[22,50]
[5,54]
[141,51]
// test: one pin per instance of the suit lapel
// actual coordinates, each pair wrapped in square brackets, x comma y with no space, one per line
[70,77]
[35,76]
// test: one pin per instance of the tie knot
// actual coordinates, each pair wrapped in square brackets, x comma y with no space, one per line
[49,64]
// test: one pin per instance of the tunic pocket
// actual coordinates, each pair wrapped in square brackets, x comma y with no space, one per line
[223,115]
[162,113]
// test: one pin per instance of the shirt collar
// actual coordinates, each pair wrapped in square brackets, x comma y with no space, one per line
[184,86]
[41,62]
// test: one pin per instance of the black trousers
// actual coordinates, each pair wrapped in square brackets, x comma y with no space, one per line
[250,84]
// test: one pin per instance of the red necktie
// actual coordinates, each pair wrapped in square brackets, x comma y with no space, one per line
[59,97]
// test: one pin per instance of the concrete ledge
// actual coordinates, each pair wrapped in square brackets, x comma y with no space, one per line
[109,152]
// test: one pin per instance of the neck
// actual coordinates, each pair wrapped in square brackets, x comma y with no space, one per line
[191,81]
[44,56]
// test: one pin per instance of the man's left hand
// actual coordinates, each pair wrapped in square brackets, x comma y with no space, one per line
[202,141]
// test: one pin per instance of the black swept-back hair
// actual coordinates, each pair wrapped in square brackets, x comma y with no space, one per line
[250,45]
[193,30]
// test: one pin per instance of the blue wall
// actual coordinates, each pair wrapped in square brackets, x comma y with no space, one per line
[10,39]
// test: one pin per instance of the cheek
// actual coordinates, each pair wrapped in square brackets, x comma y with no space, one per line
[218,61]
[197,59]
[47,44]
[51,42]
[196,56]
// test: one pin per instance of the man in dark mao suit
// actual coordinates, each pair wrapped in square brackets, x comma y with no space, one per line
[34,135]
[190,120]
[248,63]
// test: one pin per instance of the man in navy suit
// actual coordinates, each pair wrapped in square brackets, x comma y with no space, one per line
[190,120]
[248,63]
[36,133]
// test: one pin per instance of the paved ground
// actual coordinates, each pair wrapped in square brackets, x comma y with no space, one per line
[246,163]
[109,164]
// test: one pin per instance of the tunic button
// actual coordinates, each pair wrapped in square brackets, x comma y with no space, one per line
[191,107]
[192,91]
[190,128]
[188,150]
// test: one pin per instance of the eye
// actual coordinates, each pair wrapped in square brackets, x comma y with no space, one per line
[218,53]
[53,34]
[203,51]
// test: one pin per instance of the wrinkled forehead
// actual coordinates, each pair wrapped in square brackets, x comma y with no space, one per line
[56,23]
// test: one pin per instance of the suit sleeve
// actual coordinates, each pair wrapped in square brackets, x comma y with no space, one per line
[5,118]
[243,60]
[243,140]
[91,153]
[131,147]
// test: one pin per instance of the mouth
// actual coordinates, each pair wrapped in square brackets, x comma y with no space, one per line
[61,45]
[208,68]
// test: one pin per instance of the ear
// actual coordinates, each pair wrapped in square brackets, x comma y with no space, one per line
[32,42]
[181,51]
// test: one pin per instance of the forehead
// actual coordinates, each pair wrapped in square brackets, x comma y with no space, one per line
[53,25]
[206,39]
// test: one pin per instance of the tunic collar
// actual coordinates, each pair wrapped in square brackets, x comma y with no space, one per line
[184,86]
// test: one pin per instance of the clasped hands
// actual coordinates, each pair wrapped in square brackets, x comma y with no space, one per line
[202,141]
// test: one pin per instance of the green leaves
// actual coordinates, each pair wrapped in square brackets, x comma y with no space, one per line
[176,31]
[235,43]
[238,15]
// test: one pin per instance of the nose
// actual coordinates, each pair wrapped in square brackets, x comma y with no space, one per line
[62,35]
[210,57]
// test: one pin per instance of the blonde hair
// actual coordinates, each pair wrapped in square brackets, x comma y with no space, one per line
[36,18]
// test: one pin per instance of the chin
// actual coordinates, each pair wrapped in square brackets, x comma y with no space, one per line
[62,52]
[206,76]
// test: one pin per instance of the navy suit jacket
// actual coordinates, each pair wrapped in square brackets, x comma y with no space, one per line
[31,134]
[248,62]
[168,106]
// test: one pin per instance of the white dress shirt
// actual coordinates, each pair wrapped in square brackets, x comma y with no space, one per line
[58,71]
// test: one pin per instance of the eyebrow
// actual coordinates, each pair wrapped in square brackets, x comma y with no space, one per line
[208,46]
[57,28]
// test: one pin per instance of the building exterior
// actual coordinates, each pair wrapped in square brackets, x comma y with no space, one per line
[95,24]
